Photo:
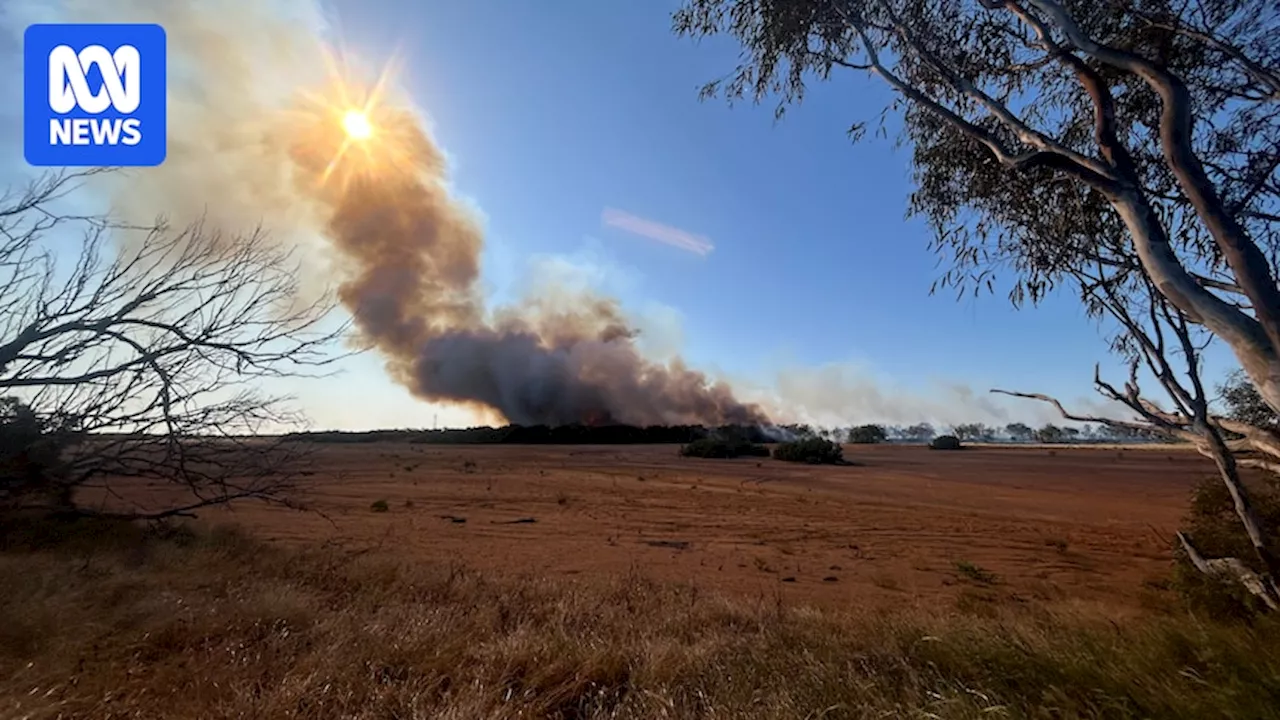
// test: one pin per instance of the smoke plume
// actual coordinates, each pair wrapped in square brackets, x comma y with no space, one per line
[256,136]
[411,259]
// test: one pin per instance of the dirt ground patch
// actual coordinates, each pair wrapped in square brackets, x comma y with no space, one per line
[905,525]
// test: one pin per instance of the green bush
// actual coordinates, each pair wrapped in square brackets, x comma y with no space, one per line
[32,448]
[1215,530]
[867,434]
[379,506]
[945,442]
[814,450]
[721,448]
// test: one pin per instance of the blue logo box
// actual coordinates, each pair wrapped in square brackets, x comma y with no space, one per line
[94,95]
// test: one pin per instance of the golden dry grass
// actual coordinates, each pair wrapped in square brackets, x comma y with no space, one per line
[102,622]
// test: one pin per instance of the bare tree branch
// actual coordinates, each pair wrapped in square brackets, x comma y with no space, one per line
[143,364]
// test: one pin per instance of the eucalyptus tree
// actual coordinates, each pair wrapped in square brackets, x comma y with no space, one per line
[1124,149]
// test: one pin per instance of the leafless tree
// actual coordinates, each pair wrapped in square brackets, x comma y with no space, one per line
[140,361]
[1126,148]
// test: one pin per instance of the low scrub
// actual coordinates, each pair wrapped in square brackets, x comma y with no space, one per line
[185,625]
[1214,528]
[945,442]
[867,434]
[814,450]
[720,448]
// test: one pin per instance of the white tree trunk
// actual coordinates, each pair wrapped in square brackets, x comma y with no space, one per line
[1243,334]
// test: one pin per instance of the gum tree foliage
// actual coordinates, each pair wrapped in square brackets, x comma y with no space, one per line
[1050,433]
[867,434]
[920,432]
[1123,149]
[1245,404]
[137,358]
[973,431]
[1019,432]
[813,450]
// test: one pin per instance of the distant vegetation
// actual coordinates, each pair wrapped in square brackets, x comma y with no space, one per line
[814,450]
[1245,404]
[685,434]
[722,448]
[539,435]
[945,442]
[867,434]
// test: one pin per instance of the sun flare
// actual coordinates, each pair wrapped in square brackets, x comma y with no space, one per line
[356,124]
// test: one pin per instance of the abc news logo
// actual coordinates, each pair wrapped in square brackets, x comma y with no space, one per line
[69,89]
[94,95]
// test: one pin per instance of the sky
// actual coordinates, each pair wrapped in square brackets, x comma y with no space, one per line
[774,254]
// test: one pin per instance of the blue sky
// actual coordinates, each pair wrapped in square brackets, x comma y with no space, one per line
[553,112]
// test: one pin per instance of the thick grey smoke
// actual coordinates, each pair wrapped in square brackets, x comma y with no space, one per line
[246,147]
[412,259]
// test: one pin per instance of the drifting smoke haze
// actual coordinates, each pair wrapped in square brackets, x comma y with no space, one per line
[839,394]
[245,150]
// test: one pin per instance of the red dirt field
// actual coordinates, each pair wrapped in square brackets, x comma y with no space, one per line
[1073,525]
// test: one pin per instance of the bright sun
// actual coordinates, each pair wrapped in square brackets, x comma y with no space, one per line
[364,133]
[356,124]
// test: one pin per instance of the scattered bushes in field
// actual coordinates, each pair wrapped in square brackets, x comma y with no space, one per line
[945,442]
[1215,530]
[723,448]
[814,450]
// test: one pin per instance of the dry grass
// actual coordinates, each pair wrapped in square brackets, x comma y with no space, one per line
[103,622]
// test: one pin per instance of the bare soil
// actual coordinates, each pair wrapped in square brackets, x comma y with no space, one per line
[904,526]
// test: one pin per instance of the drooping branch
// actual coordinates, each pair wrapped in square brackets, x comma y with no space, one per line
[1208,441]
[1230,570]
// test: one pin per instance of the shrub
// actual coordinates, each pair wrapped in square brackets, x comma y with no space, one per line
[945,442]
[721,448]
[32,446]
[379,506]
[867,434]
[815,450]
[976,573]
[1214,528]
